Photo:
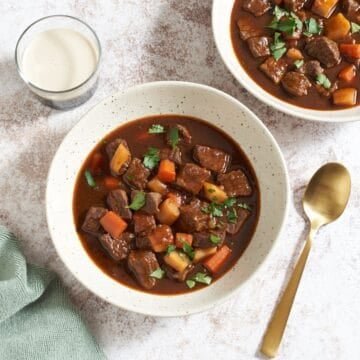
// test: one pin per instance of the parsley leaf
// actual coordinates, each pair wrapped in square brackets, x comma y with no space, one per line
[232,216]
[202,278]
[156,129]
[170,249]
[279,12]
[312,27]
[278,47]
[190,283]
[323,80]
[215,210]
[138,202]
[288,25]
[89,179]
[188,250]
[298,22]
[215,239]
[244,206]
[174,137]
[205,210]
[231,201]
[151,158]
[298,63]
[355,28]
[158,273]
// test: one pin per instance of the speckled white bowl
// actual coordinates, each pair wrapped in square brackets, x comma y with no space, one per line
[221,14]
[190,99]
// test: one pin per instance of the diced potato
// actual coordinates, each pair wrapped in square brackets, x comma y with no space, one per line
[345,97]
[177,260]
[169,212]
[180,238]
[160,238]
[176,197]
[214,193]
[201,254]
[294,54]
[121,156]
[337,27]
[324,7]
[157,186]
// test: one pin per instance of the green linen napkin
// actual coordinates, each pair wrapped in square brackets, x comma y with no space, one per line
[37,320]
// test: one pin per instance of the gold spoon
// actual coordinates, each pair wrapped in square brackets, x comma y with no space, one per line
[324,201]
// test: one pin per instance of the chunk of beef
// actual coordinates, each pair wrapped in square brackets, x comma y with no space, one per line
[184,135]
[294,5]
[152,201]
[259,46]
[192,177]
[143,242]
[242,215]
[175,275]
[325,50]
[137,174]
[118,248]
[235,183]
[295,83]
[91,223]
[142,264]
[143,223]
[111,148]
[117,201]
[192,218]
[248,29]
[312,69]
[171,154]
[257,7]
[275,70]
[351,7]
[211,158]
[203,239]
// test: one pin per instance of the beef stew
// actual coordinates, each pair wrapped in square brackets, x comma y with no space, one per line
[161,223]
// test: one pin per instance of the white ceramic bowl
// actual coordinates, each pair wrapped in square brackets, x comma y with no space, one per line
[221,14]
[190,99]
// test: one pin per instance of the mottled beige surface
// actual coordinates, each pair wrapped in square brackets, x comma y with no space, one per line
[147,40]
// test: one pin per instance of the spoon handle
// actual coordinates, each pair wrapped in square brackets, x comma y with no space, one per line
[276,327]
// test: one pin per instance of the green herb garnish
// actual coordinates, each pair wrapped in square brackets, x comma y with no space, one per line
[229,202]
[190,283]
[151,158]
[298,22]
[215,239]
[312,27]
[188,250]
[288,25]
[278,47]
[232,216]
[245,206]
[205,210]
[215,210]
[156,129]
[323,80]
[130,177]
[202,278]
[355,28]
[89,179]
[174,137]
[298,63]
[279,12]
[138,201]
[158,273]
[170,249]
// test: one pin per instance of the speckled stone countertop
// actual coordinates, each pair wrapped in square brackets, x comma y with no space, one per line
[147,40]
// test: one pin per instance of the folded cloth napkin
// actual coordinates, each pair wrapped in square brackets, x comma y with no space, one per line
[37,320]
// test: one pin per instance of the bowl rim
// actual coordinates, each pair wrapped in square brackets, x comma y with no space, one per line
[222,298]
[326,116]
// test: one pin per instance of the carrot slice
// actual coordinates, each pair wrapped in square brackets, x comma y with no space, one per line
[180,238]
[113,224]
[215,262]
[347,73]
[111,182]
[96,163]
[166,172]
[350,50]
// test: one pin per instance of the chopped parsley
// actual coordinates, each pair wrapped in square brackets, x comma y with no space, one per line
[355,28]
[215,210]
[323,80]
[151,158]
[231,201]
[215,239]
[190,283]
[156,129]
[298,22]
[288,25]
[188,250]
[278,47]
[138,202]
[279,12]
[298,63]
[158,273]
[170,249]
[312,27]
[174,137]
[202,278]
[244,206]
[89,179]
[232,215]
